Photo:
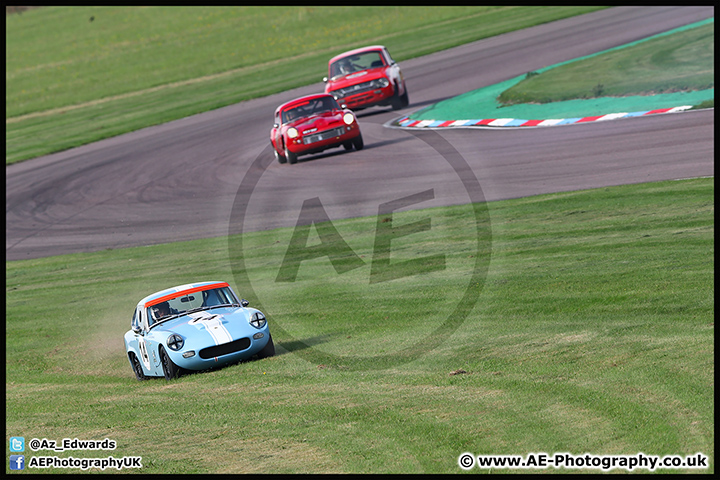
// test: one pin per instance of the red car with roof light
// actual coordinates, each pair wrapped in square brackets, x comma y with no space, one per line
[311,124]
[365,77]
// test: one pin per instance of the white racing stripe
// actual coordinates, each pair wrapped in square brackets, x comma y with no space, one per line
[213,325]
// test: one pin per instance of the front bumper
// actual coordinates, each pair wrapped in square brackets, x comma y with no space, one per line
[319,141]
[217,355]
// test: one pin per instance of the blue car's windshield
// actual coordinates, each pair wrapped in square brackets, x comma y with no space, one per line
[193,302]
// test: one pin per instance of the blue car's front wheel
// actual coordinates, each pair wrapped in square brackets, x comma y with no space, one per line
[169,368]
[268,350]
[137,368]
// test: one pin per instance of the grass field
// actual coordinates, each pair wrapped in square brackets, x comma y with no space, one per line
[593,332]
[72,81]
[683,61]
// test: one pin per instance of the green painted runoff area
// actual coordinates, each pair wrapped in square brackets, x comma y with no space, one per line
[482,103]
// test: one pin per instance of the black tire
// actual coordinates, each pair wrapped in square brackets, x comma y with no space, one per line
[268,350]
[405,101]
[278,157]
[291,157]
[137,368]
[400,101]
[358,142]
[169,368]
[348,145]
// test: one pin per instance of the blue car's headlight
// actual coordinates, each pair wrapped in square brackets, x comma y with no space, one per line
[258,320]
[175,342]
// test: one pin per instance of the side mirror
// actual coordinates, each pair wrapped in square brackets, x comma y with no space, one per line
[325,79]
[244,302]
[275,125]
[136,329]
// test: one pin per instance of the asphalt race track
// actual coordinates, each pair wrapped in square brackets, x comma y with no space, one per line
[181,180]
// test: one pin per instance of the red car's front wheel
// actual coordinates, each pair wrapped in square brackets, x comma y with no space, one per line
[400,101]
[291,157]
[278,157]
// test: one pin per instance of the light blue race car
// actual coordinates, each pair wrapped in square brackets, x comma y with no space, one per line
[194,327]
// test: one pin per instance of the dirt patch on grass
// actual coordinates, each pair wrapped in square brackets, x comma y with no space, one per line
[18,10]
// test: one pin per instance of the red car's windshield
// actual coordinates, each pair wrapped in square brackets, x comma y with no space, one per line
[355,63]
[311,107]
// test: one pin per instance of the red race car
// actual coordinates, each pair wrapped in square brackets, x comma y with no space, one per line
[311,124]
[365,77]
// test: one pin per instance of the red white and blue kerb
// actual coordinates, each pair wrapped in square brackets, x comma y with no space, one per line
[516,122]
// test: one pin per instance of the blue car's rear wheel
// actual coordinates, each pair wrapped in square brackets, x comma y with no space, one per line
[169,368]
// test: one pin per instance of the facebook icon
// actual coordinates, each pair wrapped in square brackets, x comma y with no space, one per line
[17,462]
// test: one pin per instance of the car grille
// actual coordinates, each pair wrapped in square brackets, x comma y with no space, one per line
[317,137]
[354,89]
[359,100]
[225,348]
